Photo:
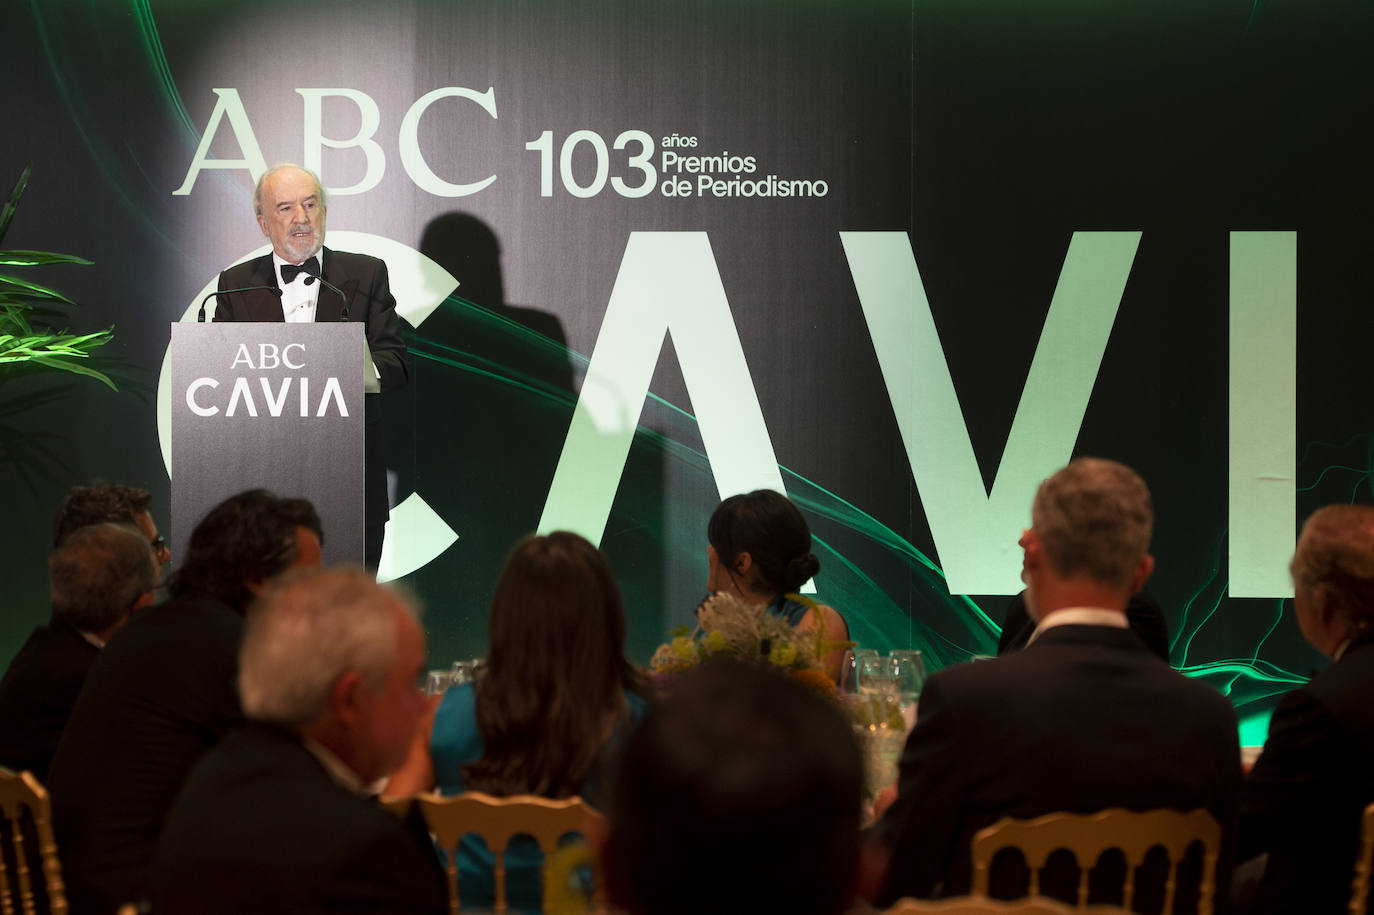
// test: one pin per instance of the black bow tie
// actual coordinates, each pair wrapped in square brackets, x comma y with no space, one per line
[289,271]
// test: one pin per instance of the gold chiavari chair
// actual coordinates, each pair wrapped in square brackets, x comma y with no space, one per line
[498,820]
[976,905]
[1087,836]
[1364,863]
[20,793]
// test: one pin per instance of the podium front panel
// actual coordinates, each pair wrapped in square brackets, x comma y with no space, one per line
[270,406]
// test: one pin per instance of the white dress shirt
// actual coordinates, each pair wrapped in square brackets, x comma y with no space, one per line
[297,299]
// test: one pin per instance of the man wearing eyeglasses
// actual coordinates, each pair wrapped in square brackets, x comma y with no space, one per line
[110,502]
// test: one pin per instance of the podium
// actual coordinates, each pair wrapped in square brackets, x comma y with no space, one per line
[269,406]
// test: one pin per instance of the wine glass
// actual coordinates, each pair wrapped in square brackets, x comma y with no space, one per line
[463,672]
[437,681]
[876,676]
[849,668]
[910,670]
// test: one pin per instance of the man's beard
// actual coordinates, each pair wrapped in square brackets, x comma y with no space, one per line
[303,247]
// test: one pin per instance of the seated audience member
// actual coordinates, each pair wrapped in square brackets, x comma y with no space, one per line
[277,817]
[760,551]
[163,693]
[96,578]
[1303,799]
[109,502]
[1143,615]
[741,792]
[1084,718]
[554,694]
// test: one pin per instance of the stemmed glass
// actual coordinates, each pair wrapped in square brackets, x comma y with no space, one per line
[910,670]
[877,676]
[849,668]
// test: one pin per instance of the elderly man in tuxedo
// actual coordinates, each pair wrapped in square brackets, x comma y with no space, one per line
[307,282]
[1303,799]
[1084,718]
[278,818]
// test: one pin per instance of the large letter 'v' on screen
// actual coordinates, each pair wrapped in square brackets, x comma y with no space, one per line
[668,284]
[975,532]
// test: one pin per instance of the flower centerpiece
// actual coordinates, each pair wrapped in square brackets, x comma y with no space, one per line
[729,628]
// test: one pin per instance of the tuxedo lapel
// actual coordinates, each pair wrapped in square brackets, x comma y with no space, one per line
[329,307]
[263,305]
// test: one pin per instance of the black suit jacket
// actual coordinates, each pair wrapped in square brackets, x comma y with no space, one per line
[37,694]
[1304,797]
[1083,719]
[261,827]
[159,695]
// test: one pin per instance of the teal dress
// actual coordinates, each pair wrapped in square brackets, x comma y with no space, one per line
[455,742]
[785,608]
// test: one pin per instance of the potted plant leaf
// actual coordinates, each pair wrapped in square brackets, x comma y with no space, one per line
[33,342]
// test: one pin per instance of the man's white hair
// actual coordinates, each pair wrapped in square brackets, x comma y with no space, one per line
[307,630]
[1094,519]
[257,190]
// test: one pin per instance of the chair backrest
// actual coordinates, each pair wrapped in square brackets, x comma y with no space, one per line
[498,820]
[19,793]
[1087,836]
[977,905]
[1364,863]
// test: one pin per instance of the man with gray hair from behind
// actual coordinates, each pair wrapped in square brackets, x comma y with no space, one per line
[1303,799]
[97,576]
[1083,719]
[278,817]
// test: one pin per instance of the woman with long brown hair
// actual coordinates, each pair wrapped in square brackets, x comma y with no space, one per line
[552,698]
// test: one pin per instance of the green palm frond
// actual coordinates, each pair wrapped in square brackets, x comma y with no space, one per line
[29,290]
[30,311]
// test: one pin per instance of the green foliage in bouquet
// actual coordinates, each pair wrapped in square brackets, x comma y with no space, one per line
[732,629]
[29,335]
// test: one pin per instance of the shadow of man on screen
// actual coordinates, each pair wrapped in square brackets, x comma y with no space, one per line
[478,431]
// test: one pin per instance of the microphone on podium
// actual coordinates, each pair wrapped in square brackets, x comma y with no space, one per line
[343,298]
[200,318]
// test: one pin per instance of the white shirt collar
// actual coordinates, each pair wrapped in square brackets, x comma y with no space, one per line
[338,769]
[1081,616]
[91,637]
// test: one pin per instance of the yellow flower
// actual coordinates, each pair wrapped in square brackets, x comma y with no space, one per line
[684,649]
[783,655]
[715,642]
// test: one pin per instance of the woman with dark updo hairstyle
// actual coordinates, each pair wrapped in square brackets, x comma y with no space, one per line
[760,551]
[552,698]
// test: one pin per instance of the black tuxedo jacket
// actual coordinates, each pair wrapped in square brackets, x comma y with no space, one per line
[1304,797]
[1083,719]
[160,694]
[37,694]
[261,827]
